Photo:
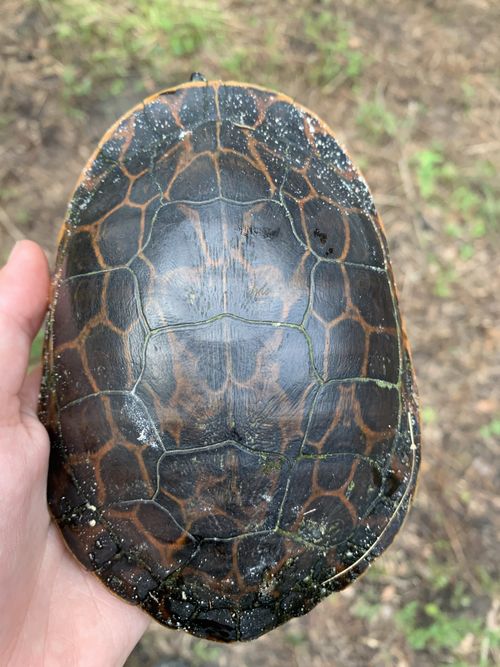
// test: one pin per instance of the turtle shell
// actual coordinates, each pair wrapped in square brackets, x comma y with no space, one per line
[228,387]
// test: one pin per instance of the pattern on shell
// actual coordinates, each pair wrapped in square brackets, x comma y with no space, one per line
[228,387]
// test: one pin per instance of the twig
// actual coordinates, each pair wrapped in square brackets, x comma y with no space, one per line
[484,148]
[492,626]
[411,195]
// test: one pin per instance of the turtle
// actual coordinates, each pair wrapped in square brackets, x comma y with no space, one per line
[228,385]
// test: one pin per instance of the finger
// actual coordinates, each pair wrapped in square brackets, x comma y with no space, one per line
[24,290]
[30,391]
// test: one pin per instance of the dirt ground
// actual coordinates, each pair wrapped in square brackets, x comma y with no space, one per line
[413,89]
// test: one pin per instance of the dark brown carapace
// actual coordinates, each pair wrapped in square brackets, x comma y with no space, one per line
[228,387]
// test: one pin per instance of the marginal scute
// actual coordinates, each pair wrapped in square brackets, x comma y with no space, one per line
[364,246]
[383,361]
[329,184]
[79,301]
[331,152]
[93,199]
[371,295]
[379,406]
[262,617]
[103,550]
[228,388]
[160,558]
[238,105]
[162,124]
[283,130]
[81,256]
[69,376]
[198,106]
[112,148]
[142,147]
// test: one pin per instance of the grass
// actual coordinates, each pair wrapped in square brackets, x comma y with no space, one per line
[470,196]
[468,93]
[102,45]
[261,53]
[313,43]
[429,415]
[441,619]
[296,637]
[6,120]
[366,608]
[466,200]
[432,169]
[332,59]
[100,48]
[444,275]
[429,627]
[205,653]
[376,121]
[491,431]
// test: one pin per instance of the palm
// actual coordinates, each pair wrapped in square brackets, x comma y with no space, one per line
[53,612]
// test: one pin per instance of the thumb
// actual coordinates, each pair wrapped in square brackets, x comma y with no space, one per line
[24,291]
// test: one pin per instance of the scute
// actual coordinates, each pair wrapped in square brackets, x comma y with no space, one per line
[228,387]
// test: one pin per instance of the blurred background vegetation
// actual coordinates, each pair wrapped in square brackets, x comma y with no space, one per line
[413,90]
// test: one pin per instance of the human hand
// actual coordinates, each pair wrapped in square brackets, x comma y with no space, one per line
[52,612]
